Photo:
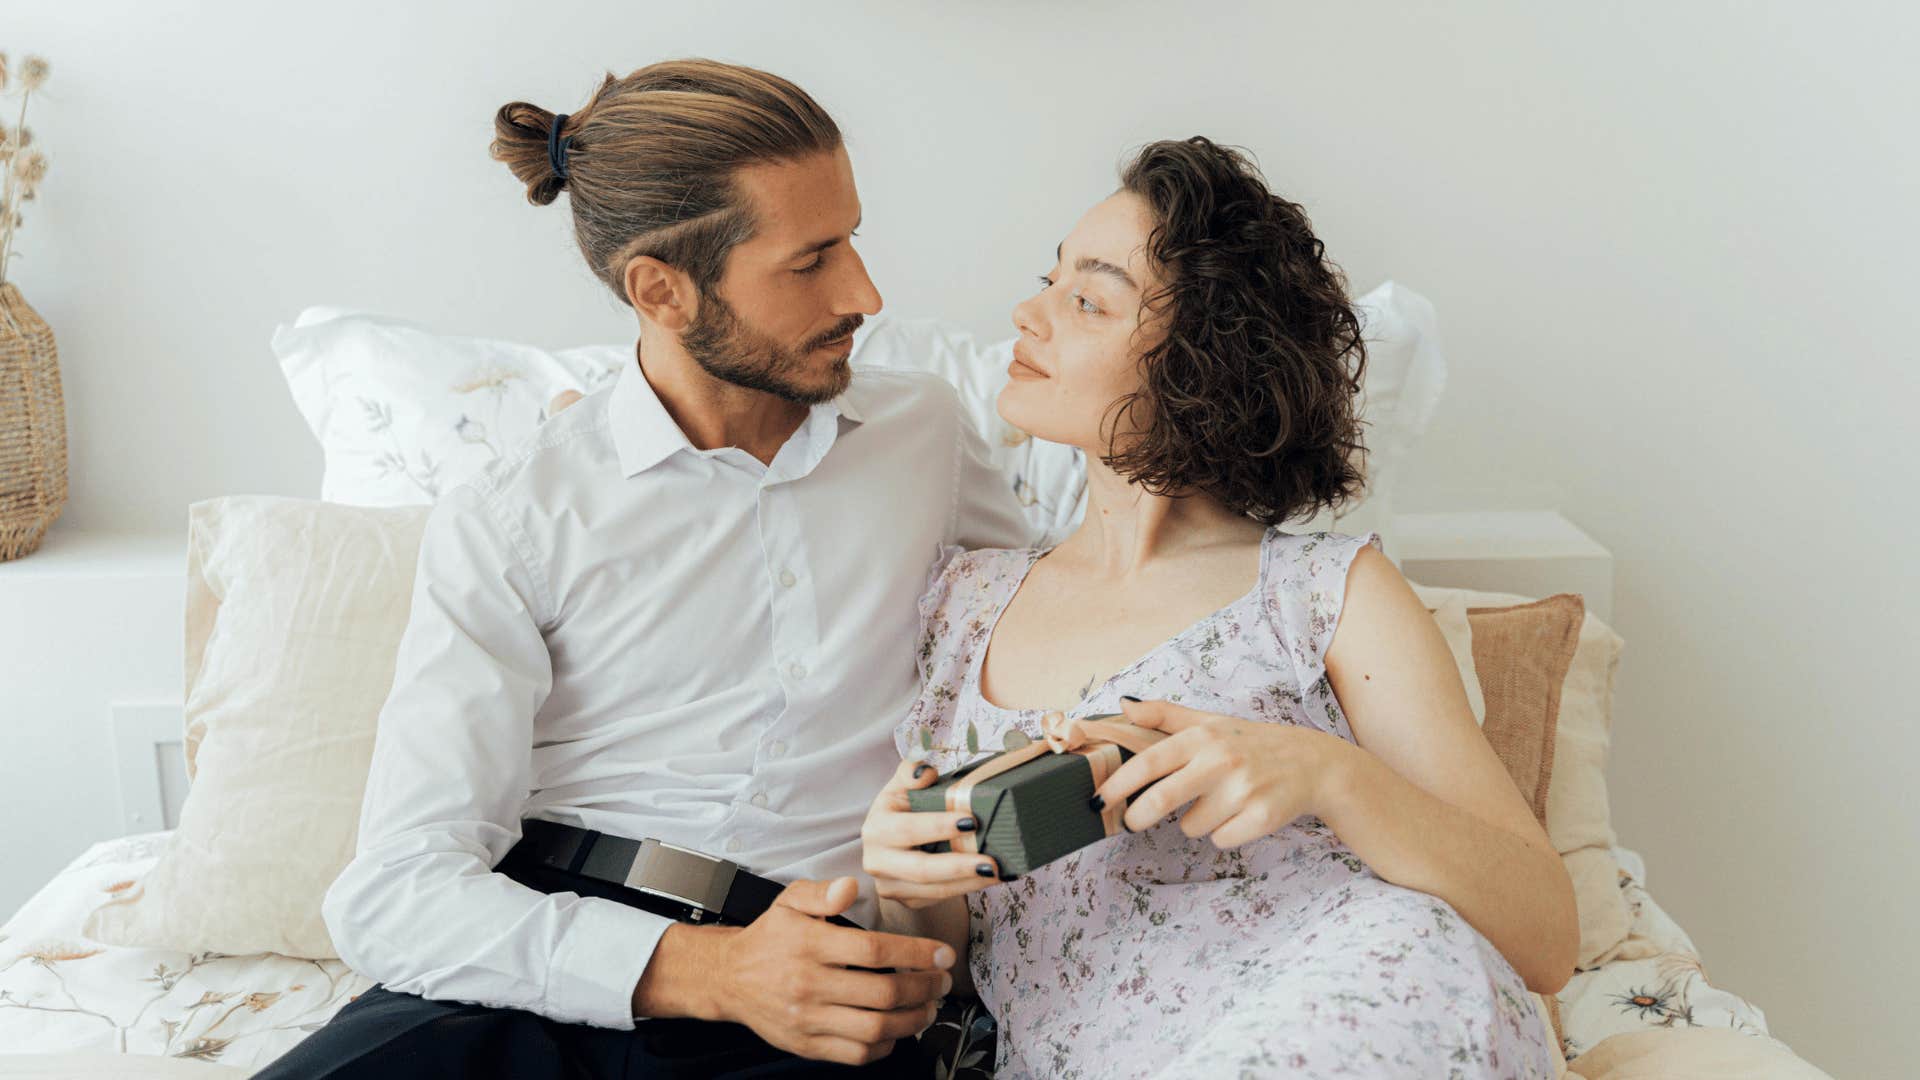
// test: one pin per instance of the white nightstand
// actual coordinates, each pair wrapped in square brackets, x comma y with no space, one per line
[1530,552]
[91,662]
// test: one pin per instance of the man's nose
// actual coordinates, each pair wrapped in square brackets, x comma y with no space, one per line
[863,297]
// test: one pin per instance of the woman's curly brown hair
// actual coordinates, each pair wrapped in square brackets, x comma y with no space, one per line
[1251,396]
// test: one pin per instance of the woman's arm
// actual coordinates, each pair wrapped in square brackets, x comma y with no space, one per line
[943,921]
[1423,799]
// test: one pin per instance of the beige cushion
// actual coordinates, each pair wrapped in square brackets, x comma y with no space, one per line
[1688,1053]
[1450,613]
[295,610]
[1578,816]
[1521,654]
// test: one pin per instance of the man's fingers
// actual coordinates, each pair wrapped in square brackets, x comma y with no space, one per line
[873,949]
[887,991]
[869,1026]
[844,1051]
[820,898]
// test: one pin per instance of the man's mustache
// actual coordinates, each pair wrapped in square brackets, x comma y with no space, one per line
[853,323]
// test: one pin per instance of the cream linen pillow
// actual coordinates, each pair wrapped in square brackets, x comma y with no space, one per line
[295,610]
[1450,614]
[1579,819]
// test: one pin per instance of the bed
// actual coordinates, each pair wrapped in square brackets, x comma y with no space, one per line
[399,411]
[69,1005]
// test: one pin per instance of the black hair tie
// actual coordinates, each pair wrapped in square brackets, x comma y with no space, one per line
[557,146]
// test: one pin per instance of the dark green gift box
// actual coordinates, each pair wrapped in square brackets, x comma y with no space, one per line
[1029,815]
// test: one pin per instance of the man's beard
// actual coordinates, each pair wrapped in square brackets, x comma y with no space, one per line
[731,351]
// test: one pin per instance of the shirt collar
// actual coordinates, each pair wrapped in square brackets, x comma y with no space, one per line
[644,433]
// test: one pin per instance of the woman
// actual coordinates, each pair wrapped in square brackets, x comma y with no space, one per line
[1326,871]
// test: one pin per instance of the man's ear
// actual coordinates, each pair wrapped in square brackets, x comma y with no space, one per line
[661,294]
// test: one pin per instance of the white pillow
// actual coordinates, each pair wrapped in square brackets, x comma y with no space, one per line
[295,610]
[403,413]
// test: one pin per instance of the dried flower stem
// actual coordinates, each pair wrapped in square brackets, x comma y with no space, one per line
[6,200]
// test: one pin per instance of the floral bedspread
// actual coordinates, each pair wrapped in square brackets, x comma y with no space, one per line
[1669,989]
[61,992]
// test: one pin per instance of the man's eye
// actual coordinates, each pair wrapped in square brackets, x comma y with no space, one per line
[1088,307]
[814,267]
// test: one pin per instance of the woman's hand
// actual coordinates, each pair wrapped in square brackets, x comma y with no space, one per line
[891,838]
[1246,778]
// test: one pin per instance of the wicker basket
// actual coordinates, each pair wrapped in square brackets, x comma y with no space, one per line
[33,427]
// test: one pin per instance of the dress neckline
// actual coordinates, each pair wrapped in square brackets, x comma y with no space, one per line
[1034,555]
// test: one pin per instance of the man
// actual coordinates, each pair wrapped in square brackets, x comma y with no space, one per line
[683,612]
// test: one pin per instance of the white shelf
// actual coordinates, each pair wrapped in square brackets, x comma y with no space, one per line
[94,553]
[1537,534]
[1532,553]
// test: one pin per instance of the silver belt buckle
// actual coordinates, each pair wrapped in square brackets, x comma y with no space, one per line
[690,877]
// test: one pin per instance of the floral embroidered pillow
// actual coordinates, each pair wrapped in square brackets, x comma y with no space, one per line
[404,413]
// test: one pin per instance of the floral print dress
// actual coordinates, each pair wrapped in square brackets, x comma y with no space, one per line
[1151,954]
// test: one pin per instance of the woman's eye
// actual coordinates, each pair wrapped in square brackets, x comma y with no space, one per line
[1085,304]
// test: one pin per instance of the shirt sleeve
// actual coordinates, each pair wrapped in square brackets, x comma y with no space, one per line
[987,514]
[419,908]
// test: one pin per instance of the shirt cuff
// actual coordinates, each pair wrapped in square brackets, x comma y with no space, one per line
[599,963]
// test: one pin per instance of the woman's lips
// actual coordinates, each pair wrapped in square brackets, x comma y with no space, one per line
[1020,369]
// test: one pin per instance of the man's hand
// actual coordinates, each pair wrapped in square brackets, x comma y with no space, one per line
[789,976]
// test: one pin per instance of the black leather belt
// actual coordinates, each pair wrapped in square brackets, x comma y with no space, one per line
[652,875]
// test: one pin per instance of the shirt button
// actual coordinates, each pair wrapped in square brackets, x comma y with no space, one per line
[787,579]
[797,670]
[733,843]
[778,748]
[759,798]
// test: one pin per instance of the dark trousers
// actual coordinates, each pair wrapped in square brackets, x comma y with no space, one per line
[386,1033]
[383,1033]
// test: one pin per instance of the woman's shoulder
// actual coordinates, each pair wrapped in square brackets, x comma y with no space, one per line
[1303,557]
[1306,590]
[955,565]
[964,576]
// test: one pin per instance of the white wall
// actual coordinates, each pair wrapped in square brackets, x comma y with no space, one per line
[1670,246]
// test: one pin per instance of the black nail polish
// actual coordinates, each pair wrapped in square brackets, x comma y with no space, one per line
[920,770]
[984,869]
[1097,803]
[1128,697]
[966,824]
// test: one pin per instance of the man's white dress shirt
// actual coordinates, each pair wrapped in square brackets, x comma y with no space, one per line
[613,629]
